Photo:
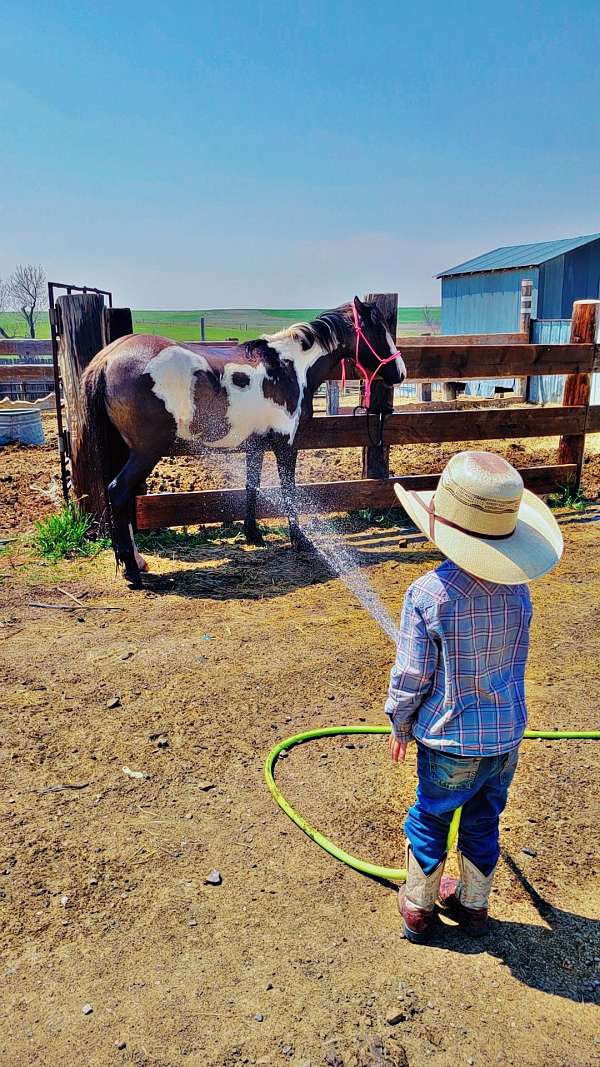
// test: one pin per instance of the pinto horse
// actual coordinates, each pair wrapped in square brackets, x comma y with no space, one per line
[143,393]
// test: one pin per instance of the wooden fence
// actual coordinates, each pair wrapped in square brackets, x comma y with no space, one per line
[425,363]
[431,359]
[30,375]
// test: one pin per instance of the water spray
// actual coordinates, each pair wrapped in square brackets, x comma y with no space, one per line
[340,558]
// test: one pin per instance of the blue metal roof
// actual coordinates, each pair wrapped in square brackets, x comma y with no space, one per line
[512,256]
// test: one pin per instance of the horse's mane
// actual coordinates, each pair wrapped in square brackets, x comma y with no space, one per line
[328,330]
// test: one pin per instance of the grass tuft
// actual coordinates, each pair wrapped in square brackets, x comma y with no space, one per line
[569,497]
[385,518]
[67,535]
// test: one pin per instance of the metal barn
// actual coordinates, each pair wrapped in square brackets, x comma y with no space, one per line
[483,294]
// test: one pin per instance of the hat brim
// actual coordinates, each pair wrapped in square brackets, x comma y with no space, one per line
[531,551]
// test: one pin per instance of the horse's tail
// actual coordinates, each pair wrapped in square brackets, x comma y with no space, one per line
[101,440]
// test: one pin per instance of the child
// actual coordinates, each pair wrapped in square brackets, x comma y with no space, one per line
[457,686]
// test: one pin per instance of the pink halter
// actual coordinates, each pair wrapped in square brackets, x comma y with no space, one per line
[368,378]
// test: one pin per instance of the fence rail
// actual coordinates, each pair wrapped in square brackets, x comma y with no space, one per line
[436,362]
[228,505]
[435,427]
[25,372]
[25,347]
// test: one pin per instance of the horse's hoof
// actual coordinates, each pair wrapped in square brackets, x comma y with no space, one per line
[302,544]
[133,579]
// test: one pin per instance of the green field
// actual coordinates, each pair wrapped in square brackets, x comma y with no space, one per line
[221,323]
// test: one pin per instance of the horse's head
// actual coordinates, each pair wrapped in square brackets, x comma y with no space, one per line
[375,346]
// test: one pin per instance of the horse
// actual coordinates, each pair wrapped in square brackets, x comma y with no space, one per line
[142,393]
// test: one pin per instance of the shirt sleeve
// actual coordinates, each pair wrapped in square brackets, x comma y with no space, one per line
[412,673]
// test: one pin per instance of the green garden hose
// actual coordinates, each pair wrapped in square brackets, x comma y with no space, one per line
[373,869]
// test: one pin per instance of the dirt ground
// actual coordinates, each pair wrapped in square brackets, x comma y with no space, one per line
[293,958]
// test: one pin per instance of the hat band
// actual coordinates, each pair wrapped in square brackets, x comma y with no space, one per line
[435,517]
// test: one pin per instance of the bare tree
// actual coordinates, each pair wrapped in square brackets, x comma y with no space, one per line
[430,317]
[28,294]
[5,304]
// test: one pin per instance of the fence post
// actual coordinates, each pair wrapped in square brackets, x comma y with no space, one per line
[424,392]
[82,333]
[332,398]
[376,460]
[525,310]
[520,389]
[118,322]
[202,328]
[584,329]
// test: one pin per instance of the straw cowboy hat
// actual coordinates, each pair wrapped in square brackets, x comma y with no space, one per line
[482,518]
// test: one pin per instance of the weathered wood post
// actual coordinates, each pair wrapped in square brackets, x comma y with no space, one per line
[332,398]
[376,459]
[520,389]
[202,328]
[584,330]
[85,325]
[82,333]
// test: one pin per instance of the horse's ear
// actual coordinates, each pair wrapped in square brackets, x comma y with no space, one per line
[360,307]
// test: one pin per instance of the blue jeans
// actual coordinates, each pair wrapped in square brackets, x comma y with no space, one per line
[478,784]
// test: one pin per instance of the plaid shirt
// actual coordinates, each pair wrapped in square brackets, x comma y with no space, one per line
[458,683]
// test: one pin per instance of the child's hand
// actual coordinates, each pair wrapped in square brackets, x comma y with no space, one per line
[397,749]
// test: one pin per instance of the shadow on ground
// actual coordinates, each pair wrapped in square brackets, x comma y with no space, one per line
[556,958]
[229,571]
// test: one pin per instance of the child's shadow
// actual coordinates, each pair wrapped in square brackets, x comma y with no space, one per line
[558,960]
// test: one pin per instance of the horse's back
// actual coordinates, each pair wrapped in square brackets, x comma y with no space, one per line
[153,385]
[138,347]
[222,396]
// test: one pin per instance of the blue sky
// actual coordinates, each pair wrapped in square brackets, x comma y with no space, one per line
[290,153]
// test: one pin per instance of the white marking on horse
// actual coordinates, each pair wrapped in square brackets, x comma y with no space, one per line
[391,342]
[249,410]
[173,372]
[400,364]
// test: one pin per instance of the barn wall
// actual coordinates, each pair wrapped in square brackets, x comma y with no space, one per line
[550,289]
[485,303]
[564,279]
[581,277]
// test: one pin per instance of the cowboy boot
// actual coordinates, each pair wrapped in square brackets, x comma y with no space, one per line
[465,899]
[416,898]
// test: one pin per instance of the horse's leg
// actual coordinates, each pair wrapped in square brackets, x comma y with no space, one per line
[120,493]
[255,455]
[286,456]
